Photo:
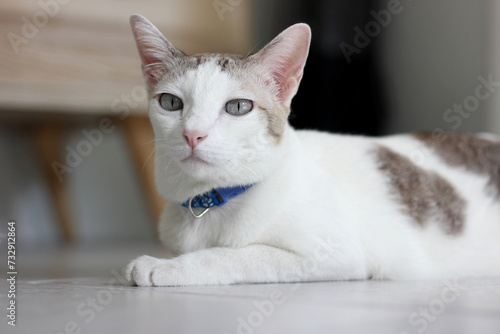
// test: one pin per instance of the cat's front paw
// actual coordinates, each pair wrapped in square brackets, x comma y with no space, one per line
[138,272]
[150,271]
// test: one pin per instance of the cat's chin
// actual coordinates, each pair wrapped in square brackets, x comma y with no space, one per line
[197,167]
[213,175]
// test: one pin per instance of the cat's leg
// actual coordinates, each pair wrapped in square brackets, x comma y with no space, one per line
[251,264]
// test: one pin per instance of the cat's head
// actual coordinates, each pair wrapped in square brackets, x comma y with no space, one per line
[219,119]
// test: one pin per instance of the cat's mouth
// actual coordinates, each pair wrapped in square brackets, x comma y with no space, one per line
[195,159]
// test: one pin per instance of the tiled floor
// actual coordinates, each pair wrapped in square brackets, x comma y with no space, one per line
[79,291]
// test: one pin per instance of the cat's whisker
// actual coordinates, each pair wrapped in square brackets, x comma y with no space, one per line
[152,141]
[250,170]
[168,163]
[252,49]
[242,164]
[147,159]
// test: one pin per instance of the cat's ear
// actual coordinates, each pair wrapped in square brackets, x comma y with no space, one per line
[156,52]
[284,59]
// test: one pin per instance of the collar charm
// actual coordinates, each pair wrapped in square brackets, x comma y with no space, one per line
[215,197]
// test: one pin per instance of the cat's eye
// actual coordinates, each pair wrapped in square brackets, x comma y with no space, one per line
[239,107]
[170,102]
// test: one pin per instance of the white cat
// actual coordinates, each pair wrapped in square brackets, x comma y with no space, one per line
[302,205]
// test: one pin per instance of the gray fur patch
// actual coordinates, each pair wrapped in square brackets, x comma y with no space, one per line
[424,194]
[475,154]
[225,61]
[276,121]
[183,63]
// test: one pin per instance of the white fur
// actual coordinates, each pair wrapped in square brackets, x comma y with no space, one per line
[320,209]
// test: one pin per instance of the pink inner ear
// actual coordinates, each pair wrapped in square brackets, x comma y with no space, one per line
[288,80]
[155,51]
[285,58]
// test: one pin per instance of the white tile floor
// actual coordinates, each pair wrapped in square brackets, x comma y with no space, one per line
[78,291]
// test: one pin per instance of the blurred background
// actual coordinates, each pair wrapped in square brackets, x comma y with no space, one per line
[76,150]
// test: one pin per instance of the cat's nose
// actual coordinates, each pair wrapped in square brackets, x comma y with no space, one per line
[194,137]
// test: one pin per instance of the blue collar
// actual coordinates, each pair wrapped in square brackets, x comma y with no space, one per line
[215,197]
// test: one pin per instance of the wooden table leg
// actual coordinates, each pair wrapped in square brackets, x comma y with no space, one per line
[48,141]
[141,138]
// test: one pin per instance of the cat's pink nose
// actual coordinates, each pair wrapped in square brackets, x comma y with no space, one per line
[194,137]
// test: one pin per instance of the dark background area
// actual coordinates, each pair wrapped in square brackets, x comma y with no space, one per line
[335,94]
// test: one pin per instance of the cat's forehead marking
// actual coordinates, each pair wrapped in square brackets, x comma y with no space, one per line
[222,60]
[425,195]
[475,154]
[185,63]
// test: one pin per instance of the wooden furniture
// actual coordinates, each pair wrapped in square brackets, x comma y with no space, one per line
[63,60]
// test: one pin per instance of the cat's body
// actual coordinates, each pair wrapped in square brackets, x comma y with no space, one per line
[321,206]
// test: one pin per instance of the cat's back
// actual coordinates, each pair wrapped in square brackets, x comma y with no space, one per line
[449,177]
[454,155]
[458,158]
